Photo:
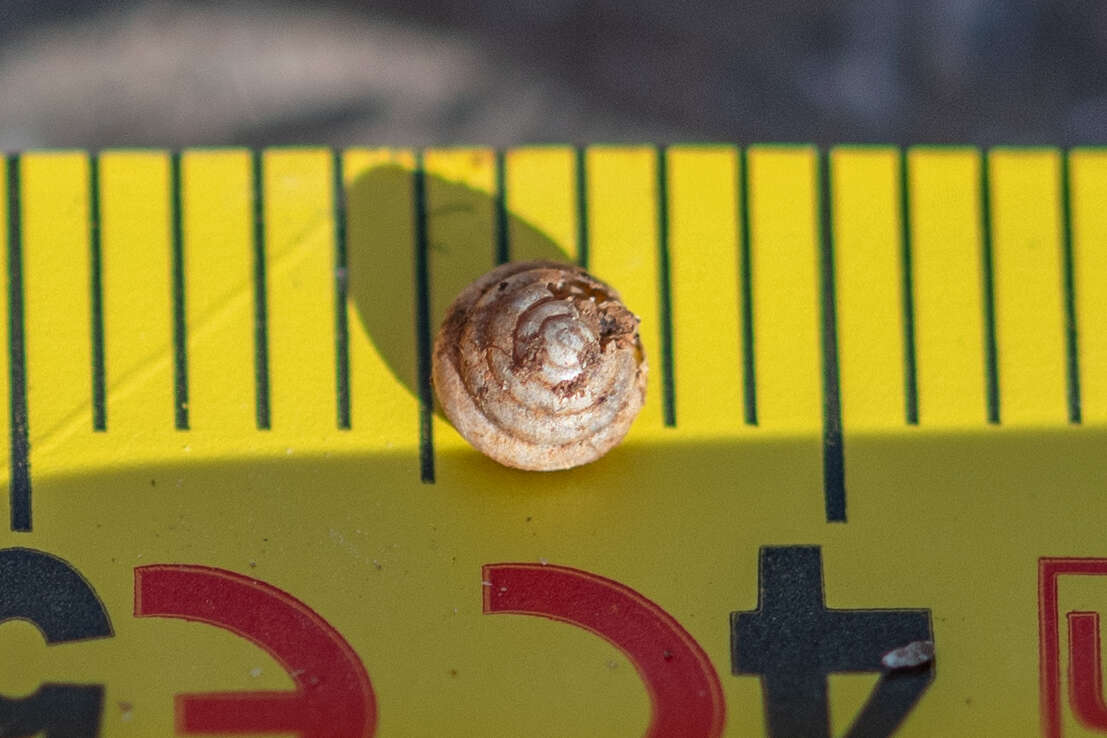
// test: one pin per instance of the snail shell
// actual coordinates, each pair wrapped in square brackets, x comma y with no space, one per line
[539,365]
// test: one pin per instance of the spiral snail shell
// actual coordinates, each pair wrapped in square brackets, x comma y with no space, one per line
[539,366]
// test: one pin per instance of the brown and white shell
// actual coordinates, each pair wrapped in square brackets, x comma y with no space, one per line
[539,365]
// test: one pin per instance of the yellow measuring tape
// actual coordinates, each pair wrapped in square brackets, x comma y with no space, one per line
[875,421]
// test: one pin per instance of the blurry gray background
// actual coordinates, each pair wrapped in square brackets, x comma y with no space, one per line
[174,73]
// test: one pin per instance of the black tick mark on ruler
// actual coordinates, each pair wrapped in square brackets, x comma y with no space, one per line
[910,370]
[834,482]
[665,302]
[503,248]
[991,349]
[341,280]
[749,366]
[180,338]
[422,324]
[582,206]
[261,318]
[96,298]
[1072,347]
[20,485]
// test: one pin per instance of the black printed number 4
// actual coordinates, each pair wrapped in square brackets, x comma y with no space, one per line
[792,641]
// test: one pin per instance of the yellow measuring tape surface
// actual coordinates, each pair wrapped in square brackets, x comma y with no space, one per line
[876,419]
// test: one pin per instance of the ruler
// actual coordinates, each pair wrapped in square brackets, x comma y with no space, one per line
[876,417]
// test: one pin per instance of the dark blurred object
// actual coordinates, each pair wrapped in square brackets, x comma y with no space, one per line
[180,73]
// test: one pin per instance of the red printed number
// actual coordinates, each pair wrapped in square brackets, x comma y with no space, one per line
[333,697]
[1085,683]
[684,689]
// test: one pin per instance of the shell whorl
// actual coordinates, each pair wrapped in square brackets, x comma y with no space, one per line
[539,365]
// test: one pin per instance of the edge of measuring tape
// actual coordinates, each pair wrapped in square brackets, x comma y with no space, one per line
[896,276]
